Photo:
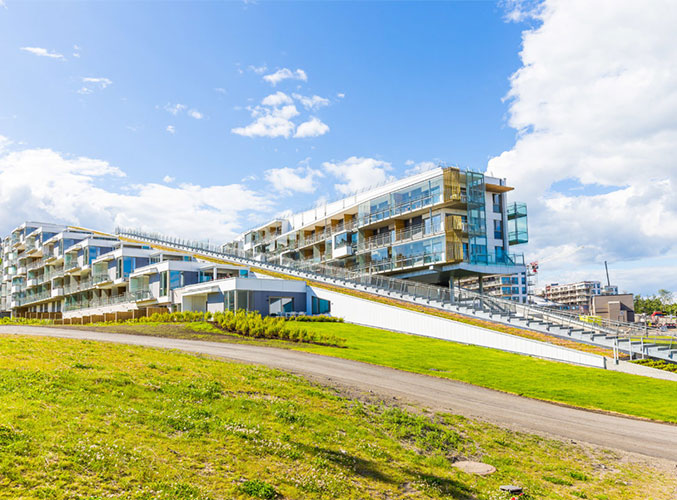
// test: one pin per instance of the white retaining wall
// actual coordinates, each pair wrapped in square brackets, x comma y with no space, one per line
[377,315]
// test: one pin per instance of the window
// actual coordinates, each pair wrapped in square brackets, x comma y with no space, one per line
[164,278]
[242,300]
[175,279]
[320,306]
[229,300]
[498,229]
[278,306]
[496,198]
[499,254]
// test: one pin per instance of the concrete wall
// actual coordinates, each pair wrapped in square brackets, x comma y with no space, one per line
[374,314]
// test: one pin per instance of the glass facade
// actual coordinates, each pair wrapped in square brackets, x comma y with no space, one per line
[419,252]
[405,200]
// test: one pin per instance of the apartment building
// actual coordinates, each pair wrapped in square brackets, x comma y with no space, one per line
[434,227]
[512,287]
[53,272]
[575,295]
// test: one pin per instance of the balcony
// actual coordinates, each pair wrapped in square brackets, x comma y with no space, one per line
[21,270]
[37,297]
[143,295]
[57,292]
[79,286]
[400,209]
[101,302]
[517,224]
[344,250]
[31,282]
[102,279]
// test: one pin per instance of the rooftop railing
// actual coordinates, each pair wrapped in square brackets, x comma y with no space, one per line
[388,285]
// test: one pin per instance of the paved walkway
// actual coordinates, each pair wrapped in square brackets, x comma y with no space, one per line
[529,415]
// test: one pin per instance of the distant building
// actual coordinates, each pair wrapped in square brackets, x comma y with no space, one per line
[511,286]
[576,295]
[614,307]
[579,295]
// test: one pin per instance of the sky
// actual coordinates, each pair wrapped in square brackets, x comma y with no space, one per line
[202,119]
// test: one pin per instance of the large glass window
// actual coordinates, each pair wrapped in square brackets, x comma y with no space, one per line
[280,305]
[175,279]
[242,299]
[419,252]
[320,306]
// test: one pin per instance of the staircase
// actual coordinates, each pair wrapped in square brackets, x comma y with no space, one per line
[617,336]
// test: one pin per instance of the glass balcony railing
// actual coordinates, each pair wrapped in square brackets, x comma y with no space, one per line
[399,209]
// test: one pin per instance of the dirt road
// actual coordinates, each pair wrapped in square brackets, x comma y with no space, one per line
[636,436]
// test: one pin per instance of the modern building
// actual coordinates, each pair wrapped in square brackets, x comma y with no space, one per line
[512,287]
[577,296]
[434,227]
[53,272]
[614,307]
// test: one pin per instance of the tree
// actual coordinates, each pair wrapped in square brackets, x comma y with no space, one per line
[665,296]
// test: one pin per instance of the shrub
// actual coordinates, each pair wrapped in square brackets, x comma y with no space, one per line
[258,489]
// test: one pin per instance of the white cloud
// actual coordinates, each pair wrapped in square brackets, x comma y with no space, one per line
[259,70]
[194,113]
[174,109]
[168,179]
[285,74]
[311,102]
[340,95]
[42,184]
[220,90]
[76,50]
[277,99]
[521,10]
[312,128]
[271,119]
[270,123]
[90,84]
[417,168]
[595,106]
[289,180]
[171,129]
[39,51]
[359,173]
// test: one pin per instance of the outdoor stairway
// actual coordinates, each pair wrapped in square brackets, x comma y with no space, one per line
[615,336]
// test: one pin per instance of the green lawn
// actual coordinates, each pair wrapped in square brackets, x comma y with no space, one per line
[533,377]
[89,420]
[536,378]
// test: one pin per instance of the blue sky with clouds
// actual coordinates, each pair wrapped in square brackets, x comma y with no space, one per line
[204,118]
[401,82]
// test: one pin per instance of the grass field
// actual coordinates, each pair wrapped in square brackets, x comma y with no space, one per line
[536,378]
[87,420]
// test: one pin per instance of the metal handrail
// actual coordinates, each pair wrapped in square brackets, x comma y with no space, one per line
[379,283]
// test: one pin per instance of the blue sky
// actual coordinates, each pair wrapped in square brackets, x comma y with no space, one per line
[202,119]
[421,82]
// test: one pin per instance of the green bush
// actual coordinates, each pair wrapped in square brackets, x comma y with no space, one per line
[25,321]
[658,363]
[251,324]
[259,489]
